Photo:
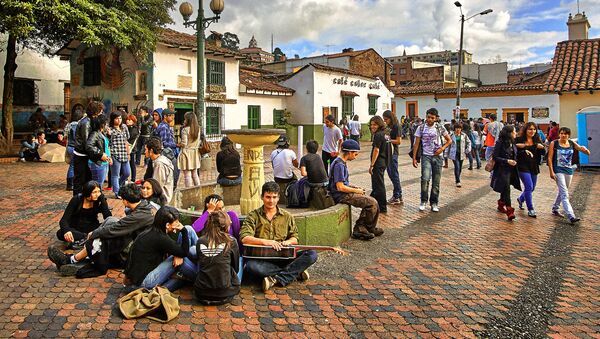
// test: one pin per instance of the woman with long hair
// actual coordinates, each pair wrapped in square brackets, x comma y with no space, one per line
[562,162]
[120,152]
[379,161]
[97,147]
[153,193]
[392,123]
[505,171]
[189,158]
[151,246]
[134,138]
[476,134]
[530,150]
[228,164]
[216,281]
[70,130]
[81,215]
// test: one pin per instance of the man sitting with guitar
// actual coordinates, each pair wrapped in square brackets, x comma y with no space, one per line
[273,227]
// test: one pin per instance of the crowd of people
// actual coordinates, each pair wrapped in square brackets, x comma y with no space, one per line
[154,248]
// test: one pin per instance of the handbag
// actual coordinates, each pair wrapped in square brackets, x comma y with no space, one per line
[490,165]
[204,146]
[156,304]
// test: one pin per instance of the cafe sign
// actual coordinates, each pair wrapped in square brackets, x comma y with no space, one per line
[343,81]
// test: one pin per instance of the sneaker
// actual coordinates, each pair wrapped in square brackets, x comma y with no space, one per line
[531,213]
[422,206]
[556,213]
[58,257]
[458,184]
[21,160]
[377,231]
[521,204]
[470,168]
[76,245]
[395,201]
[361,233]
[267,283]
[304,276]
[435,208]
[574,220]
[69,270]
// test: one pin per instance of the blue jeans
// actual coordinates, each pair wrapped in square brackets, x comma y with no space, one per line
[71,170]
[392,171]
[119,172]
[224,181]
[457,169]
[431,170]
[529,181]
[284,271]
[98,172]
[477,150]
[139,149]
[489,151]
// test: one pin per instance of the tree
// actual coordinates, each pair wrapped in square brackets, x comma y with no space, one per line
[231,41]
[46,25]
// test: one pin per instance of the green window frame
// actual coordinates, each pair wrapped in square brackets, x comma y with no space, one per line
[372,105]
[213,120]
[277,116]
[347,105]
[215,72]
[253,117]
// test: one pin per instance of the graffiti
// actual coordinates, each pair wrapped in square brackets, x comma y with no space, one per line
[254,181]
[253,155]
[343,217]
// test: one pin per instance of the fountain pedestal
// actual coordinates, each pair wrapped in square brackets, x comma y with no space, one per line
[253,171]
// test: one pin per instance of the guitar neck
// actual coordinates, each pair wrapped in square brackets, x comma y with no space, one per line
[317,248]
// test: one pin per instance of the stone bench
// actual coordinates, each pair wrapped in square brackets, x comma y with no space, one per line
[185,198]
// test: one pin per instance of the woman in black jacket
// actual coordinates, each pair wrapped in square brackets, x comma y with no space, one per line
[217,280]
[151,246]
[134,136]
[228,164]
[97,149]
[530,151]
[81,214]
[505,171]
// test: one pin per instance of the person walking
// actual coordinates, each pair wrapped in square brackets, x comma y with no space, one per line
[189,158]
[144,125]
[505,171]
[562,161]
[467,130]
[97,147]
[392,123]
[491,131]
[134,139]
[119,150]
[432,139]
[355,130]
[332,141]
[380,155]
[476,133]
[81,170]
[530,150]
[458,150]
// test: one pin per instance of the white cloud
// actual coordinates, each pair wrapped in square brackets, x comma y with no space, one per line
[307,27]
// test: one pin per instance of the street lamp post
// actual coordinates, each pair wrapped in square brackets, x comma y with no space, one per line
[200,25]
[460,53]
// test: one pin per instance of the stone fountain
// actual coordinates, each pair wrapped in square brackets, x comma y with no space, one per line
[253,172]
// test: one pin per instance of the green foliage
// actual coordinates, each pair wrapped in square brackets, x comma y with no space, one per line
[47,25]
[231,41]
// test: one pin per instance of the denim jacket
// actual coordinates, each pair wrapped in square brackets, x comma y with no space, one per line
[465,145]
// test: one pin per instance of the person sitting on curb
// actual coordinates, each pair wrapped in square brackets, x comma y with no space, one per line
[343,192]
[105,244]
[311,166]
[162,167]
[81,215]
[269,225]
[284,161]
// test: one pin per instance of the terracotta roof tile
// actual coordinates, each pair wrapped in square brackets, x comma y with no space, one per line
[417,87]
[254,80]
[575,66]
[175,38]
[431,87]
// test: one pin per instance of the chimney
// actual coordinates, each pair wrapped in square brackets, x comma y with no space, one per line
[346,50]
[578,26]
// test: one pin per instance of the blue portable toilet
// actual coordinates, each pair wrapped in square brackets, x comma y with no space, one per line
[588,135]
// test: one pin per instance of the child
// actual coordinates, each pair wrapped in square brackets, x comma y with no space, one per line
[458,150]
[217,282]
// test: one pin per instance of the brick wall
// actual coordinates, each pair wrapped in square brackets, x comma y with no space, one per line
[371,64]
[418,74]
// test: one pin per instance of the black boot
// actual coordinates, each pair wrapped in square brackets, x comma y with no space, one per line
[69,184]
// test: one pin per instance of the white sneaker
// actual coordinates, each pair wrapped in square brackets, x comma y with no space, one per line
[435,208]
[422,206]
[458,184]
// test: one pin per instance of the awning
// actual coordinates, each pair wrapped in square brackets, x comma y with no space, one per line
[348,94]
[373,95]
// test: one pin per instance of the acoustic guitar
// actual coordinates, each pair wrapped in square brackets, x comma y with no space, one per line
[287,252]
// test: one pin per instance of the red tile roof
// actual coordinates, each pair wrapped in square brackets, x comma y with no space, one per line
[417,87]
[254,80]
[575,66]
[173,38]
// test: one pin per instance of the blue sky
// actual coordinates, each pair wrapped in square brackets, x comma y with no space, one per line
[520,32]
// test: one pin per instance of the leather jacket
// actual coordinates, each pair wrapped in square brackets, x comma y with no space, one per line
[146,125]
[95,146]
[82,132]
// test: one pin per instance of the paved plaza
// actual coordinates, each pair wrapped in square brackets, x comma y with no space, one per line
[463,272]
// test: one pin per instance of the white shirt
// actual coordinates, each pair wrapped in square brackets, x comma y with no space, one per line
[354,127]
[331,136]
[282,163]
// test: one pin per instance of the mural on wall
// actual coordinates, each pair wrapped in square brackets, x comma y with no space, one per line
[114,76]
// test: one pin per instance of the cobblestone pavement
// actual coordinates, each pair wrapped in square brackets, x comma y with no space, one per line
[463,272]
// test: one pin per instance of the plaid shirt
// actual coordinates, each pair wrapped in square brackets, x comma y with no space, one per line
[118,143]
[165,133]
